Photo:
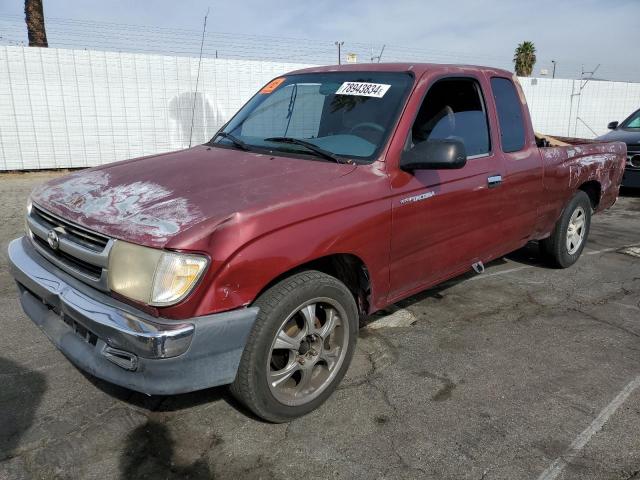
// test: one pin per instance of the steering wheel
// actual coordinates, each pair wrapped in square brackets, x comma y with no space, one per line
[369,125]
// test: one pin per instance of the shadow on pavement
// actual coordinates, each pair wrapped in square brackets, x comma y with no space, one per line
[529,255]
[630,192]
[20,394]
[149,453]
[170,403]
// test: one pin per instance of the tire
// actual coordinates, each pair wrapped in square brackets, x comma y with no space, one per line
[314,318]
[561,251]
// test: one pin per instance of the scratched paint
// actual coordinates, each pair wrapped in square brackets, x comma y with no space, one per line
[136,210]
[585,162]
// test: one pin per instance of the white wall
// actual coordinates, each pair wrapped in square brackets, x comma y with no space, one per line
[557,109]
[74,108]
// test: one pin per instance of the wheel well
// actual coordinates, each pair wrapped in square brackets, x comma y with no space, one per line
[593,190]
[347,268]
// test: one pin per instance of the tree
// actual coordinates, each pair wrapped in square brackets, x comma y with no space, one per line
[34,16]
[524,59]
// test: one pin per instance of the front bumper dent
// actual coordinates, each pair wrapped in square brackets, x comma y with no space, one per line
[120,344]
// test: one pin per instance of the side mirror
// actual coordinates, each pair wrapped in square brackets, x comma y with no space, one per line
[612,125]
[434,154]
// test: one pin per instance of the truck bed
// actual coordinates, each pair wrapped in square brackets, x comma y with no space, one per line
[575,162]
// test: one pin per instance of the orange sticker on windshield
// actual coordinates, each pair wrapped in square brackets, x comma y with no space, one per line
[272,85]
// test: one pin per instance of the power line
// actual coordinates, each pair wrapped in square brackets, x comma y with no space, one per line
[109,36]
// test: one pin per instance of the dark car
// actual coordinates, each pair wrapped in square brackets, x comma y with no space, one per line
[628,132]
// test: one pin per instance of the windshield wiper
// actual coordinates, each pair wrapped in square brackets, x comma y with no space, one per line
[310,146]
[235,140]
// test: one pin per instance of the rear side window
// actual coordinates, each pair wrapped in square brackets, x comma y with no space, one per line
[509,114]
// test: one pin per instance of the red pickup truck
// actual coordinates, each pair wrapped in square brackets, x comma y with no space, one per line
[332,193]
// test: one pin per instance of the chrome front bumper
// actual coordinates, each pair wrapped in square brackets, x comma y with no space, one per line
[124,345]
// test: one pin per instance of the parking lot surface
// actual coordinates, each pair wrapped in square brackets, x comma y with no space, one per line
[522,372]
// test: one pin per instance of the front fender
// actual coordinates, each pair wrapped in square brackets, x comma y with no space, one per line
[363,231]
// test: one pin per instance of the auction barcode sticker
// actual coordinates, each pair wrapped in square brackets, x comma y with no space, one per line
[363,89]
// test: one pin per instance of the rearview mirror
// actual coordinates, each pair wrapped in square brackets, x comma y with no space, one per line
[434,154]
[612,125]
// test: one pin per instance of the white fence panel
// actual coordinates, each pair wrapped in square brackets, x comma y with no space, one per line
[561,107]
[76,108]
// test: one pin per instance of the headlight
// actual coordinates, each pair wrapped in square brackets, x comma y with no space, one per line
[153,276]
[176,274]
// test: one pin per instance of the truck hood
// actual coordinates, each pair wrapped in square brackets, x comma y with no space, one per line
[150,200]
[628,135]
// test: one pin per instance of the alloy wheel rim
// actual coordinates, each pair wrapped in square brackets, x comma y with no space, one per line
[307,352]
[576,230]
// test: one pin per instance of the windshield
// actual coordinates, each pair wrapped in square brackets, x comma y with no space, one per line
[633,121]
[337,114]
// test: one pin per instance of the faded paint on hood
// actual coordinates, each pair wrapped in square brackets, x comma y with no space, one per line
[151,200]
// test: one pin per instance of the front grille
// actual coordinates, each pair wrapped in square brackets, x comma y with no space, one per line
[79,235]
[80,252]
[69,260]
[633,151]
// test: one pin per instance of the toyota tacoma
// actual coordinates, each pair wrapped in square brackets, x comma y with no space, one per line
[332,193]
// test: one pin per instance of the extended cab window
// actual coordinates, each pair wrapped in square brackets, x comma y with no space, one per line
[453,109]
[509,114]
[336,114]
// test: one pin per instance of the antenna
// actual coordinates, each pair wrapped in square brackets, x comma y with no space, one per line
[195,94]
[339,44]
[377,57]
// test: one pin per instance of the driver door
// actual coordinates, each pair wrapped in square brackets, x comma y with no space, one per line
[443,221]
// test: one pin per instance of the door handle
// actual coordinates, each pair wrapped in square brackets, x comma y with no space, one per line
[494,181]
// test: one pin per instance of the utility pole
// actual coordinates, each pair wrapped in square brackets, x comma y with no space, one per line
[339,45]
[553,75]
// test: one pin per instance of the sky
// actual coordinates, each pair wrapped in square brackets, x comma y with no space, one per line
[572,32]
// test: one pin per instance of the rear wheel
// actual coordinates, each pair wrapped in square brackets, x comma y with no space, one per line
[300,346]
[569,236]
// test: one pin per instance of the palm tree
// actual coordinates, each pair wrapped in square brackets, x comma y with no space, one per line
[524,59]
[34,16]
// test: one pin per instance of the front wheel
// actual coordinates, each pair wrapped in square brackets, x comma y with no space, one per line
[570,233]
[300,346]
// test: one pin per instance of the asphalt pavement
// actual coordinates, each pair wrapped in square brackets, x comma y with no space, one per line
[523,372]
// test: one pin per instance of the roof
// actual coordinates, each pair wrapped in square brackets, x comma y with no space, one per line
[417,68]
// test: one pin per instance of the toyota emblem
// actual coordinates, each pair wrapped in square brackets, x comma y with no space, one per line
[53,240]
